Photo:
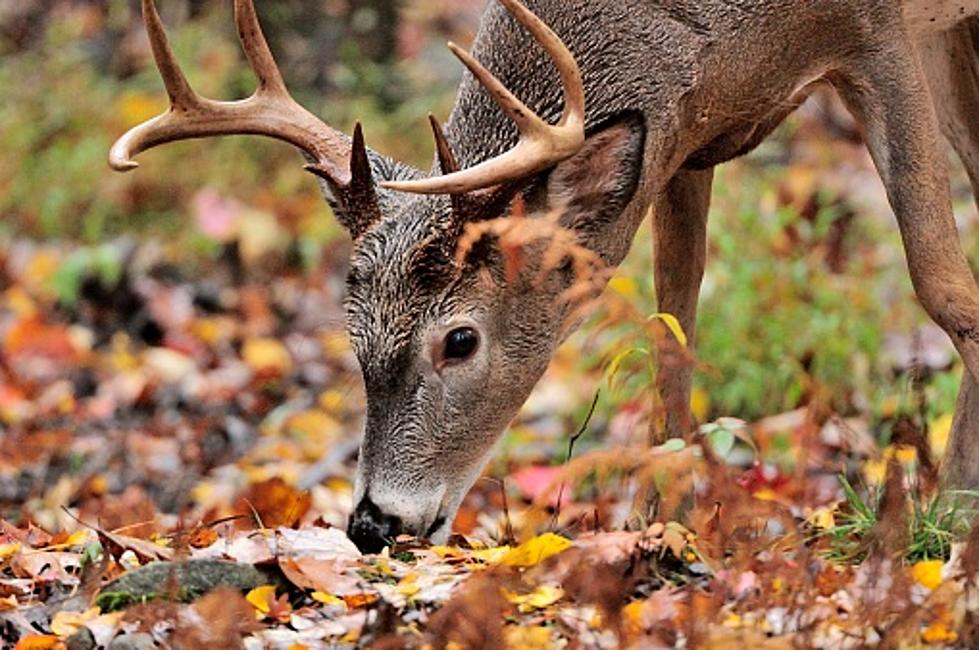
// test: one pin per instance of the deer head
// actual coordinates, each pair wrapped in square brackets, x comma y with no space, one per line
[450,345]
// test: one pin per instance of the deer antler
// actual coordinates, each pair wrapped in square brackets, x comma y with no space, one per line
[270,111]
[541,145]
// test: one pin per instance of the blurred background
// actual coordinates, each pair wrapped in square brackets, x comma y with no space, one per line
[173,337]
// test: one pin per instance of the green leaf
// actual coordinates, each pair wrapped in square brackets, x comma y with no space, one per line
[721,441]
[673,445]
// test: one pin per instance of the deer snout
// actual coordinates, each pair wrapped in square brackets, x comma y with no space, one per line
[371,529]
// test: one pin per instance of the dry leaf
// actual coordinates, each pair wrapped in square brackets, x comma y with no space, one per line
[536,550]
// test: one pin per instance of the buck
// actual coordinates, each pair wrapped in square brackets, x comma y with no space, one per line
[626,105]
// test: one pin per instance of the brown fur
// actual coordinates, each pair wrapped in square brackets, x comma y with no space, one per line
[708,80]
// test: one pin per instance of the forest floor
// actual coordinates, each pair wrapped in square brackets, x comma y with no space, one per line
[177,459]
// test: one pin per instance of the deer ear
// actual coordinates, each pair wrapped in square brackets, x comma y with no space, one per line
[592,188]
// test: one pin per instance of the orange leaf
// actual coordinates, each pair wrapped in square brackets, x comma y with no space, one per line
[40,642]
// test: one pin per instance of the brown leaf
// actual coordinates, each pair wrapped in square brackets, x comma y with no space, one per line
[329,576]
[274,502]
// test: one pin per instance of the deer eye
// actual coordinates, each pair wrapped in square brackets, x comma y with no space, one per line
[460,344]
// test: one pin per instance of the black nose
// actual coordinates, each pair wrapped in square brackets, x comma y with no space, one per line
[370,529]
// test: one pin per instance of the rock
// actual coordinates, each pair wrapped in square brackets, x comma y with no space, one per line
[81,640]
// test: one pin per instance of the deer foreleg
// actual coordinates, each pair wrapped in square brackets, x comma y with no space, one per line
[888,94]
[951,64]
[680,251]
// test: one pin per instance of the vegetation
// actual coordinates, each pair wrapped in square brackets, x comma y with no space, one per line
[175,382]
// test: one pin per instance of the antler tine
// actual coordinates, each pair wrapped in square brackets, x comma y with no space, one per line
[447,160]
[178,88]
[257,50]
[270,111]
[540,145]
[525,119]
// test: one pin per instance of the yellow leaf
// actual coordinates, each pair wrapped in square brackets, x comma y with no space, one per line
[673,325]
[874,471]
[632,615]
[447,551]
[822,518]
[408,585]
[261,599]
[67,623]
[613,366]
[927,573]
[528,638]
[938,434]
[764,494]
[541,597]
[536,550]
[906,454]
[327,599]
[491,555]
[79,538]
[267,354]
[98,484]
[7,550]
[624,286]
[699,404]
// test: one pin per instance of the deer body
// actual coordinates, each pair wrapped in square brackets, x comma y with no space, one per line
[451,347]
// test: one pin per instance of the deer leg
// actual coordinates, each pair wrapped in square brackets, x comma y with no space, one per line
[889,95]
[680,251]
[951,64]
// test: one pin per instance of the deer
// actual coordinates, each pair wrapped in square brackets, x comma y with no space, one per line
[599,112]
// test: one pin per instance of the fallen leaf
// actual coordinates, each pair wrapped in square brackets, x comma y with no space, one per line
[7,550]
[40,642]
[274,502]
[541,597]
[927,573]
[319,574]
[327,599]
[261,598]
[536,550]
[362,599]
[323,543]
[67,623]
[523,637]
[940,631]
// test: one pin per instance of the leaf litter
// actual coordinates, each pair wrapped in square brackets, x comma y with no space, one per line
[175,468]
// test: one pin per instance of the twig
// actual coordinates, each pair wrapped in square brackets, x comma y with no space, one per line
[571,441]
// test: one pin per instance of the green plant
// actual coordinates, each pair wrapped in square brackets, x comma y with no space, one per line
[934,523]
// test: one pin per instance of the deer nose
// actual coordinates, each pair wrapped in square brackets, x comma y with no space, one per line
[370,529]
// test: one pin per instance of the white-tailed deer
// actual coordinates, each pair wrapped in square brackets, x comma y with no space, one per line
[648,96]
